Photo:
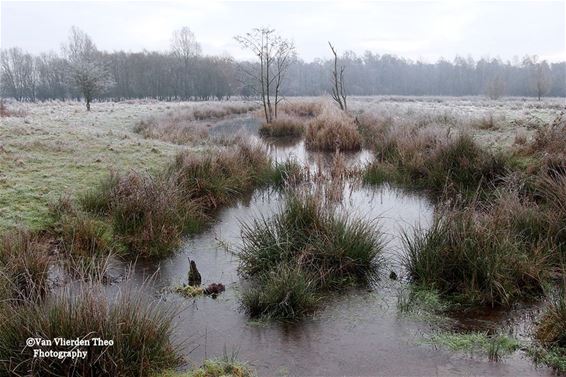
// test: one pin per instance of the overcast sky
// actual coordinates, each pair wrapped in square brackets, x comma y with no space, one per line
[416,30]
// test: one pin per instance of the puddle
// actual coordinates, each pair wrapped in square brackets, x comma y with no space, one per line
[354,333]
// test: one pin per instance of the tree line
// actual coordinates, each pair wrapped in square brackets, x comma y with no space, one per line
[81,71]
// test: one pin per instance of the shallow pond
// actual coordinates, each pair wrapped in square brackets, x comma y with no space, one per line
[354,333]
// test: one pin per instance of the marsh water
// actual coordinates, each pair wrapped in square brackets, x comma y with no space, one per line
[358,332]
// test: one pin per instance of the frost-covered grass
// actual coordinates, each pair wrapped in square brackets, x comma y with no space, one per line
[58,147]
[496,123]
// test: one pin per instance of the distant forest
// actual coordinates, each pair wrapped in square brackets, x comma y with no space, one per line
[189,75]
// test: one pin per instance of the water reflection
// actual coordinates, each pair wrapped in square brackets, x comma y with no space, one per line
[354,333]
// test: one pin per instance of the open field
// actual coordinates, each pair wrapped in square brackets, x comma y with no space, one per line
[434,215]
[58,148]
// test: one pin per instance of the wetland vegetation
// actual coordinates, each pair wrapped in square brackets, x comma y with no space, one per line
[496,238]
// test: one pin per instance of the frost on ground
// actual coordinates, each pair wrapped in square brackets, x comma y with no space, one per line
[55,148]
[499,123]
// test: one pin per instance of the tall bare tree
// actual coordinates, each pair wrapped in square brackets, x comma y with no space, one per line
[495,87]
[338,90]
[18,74]
[541,79]
[275,54]
[186,48]
[87,70]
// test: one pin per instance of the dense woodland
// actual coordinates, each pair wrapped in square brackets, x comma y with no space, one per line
[184,73]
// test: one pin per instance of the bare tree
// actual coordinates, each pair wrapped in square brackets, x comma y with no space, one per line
[186,48]
[18,74]
[275,55]
[541,79]
[87,71]
[338,91]
[495,87]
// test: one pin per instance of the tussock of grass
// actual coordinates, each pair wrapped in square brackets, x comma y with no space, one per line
[285,293]
[217,179]
[418,300]
[24,265]
[551,330]
[473,258]
[554,357]
[288,173]
[6,112]
[84,236]
[439,163]
[178,133]
[305,248]
[282,127]
[150,214]
[332,130]
[302,109]
[141,332]
[227,366]
[549,140]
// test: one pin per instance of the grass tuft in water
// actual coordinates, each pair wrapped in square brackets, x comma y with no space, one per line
[282,127]
[308,248]
[475,260]
[494,346]
[441,164]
